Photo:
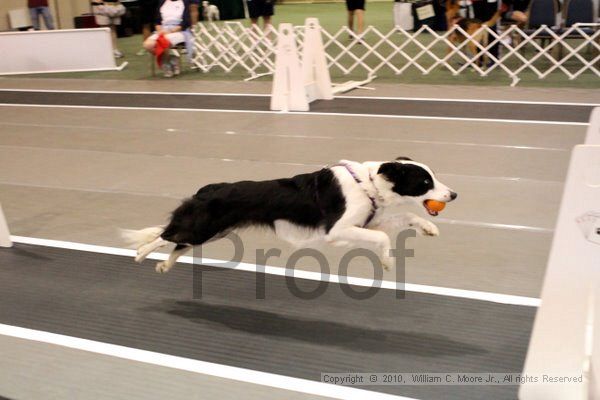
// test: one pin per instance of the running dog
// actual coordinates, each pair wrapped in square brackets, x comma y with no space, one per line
[210,12]
[469,25]
[346,203]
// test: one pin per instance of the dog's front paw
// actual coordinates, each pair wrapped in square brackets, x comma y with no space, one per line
[162,267]
[427,228]
[387,262]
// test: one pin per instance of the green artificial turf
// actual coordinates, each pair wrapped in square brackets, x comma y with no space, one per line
[332,17]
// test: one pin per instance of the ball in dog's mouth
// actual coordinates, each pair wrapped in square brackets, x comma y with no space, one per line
[434,207]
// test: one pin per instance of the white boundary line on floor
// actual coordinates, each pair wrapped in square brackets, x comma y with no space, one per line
[197,366]
[280,271]
[309,113]
[297,136]
[457,100]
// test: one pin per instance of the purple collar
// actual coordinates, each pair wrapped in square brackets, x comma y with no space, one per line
[359,181]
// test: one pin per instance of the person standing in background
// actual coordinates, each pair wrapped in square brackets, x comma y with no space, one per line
[261,8]
[356,8]
[37,8]
[148,9]
[484,11]
[194,12]
[108,14]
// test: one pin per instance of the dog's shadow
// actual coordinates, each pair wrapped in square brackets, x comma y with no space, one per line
[321,332]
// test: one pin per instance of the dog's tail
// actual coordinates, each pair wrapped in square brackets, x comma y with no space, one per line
[139,238]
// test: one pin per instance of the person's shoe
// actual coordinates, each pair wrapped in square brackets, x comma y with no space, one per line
[167,71]
[507,41]
[118,54]
[175,64]
[141,52]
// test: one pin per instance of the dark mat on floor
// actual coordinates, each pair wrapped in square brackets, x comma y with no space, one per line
[456,109]
[112,299]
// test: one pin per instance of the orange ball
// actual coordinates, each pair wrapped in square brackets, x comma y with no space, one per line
[434,205]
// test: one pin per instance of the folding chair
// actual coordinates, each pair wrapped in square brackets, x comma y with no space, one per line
[579,12]
[542,13]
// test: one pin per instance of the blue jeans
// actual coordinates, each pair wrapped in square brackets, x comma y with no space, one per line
[35,13]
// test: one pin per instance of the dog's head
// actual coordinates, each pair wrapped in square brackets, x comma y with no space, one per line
[412,181]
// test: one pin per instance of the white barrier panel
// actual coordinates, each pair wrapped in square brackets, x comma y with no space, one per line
[4,233]
[19,18]
[314,63]
[562,340]
[289,92]
[593,131]
[69,50]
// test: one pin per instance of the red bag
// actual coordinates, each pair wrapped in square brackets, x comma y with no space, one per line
[162,45]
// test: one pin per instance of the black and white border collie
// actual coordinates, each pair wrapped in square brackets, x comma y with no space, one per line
[342,204]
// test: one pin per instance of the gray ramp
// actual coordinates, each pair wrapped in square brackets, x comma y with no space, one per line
[112,299]
[346,105]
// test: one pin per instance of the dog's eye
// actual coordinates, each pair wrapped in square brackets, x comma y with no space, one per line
[426,181]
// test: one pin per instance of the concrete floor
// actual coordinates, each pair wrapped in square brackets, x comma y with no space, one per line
[59,375]
[79,174]
[133,167]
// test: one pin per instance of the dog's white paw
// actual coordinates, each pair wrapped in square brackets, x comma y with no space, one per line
[427,228]
[387,262]
[139,257]
[162,267]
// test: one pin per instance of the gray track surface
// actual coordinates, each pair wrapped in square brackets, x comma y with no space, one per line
[112,299]
[426,108]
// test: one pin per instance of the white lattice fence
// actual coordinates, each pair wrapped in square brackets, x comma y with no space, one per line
[571,52]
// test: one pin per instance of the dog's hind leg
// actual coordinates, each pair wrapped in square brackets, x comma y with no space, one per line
[145,250]
[178,251]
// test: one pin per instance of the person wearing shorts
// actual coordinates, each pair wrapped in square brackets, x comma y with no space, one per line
[261,8]
[356,8]
[105,21]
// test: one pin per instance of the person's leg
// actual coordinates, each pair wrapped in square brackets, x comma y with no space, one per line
[172,57]
[113,35]
[254,12]
[146,32]
[351,20]
[47,18]
[35,18]
[194,13]
[150,42]
[267,11]
[266,22]
[360,20]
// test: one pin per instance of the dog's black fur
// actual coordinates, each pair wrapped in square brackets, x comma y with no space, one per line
[408,179]
[311,200]
[346,203]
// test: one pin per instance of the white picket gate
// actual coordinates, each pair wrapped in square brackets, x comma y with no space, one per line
[571,52]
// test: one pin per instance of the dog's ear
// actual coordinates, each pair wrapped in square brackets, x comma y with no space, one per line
[403,159]
[392,171]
